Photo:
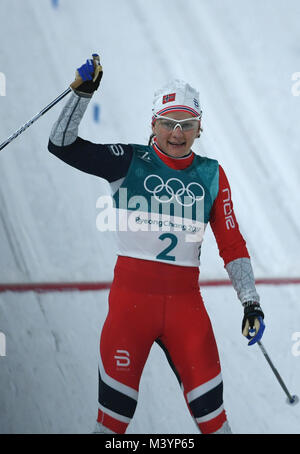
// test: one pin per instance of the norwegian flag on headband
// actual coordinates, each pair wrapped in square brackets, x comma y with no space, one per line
[169,98]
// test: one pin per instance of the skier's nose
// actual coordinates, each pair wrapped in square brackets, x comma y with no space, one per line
[177,131]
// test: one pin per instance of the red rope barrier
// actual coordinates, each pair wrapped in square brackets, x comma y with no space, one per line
[41,287]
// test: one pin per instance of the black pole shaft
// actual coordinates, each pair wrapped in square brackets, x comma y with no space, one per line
[277,375]
[33,119]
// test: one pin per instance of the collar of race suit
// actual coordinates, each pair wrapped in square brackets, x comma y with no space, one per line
[174,163]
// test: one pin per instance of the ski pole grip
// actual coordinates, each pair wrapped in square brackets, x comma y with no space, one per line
[97,66]
[78,81]
[96,60]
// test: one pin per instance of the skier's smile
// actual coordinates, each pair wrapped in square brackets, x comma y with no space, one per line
[176,143]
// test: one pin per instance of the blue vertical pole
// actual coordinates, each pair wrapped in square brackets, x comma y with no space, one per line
[96,113]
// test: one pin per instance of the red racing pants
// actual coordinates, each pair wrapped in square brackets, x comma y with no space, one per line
[150,302]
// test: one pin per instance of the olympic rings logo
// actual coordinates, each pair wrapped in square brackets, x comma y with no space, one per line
[174,188]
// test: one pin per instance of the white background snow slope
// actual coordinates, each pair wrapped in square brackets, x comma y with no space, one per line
[241,56]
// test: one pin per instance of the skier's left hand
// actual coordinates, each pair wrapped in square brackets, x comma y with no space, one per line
[253,325]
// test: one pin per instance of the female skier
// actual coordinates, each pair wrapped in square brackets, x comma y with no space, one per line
[165,195]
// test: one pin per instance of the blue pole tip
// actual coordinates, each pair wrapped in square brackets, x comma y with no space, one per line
[293,401]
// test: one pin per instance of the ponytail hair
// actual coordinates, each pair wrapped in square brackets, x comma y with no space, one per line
[151,139]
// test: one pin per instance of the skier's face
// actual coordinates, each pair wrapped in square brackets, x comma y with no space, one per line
[176,142]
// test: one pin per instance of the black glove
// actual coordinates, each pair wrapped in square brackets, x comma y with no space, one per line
[88,76]
[253,326]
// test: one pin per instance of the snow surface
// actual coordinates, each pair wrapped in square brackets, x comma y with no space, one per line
[241,56]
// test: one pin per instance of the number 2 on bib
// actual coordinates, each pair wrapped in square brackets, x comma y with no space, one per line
[163,255]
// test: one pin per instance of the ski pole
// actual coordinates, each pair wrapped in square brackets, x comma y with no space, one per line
[33,119]
[292,400]
[77,82]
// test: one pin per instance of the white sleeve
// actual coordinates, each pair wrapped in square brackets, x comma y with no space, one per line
[241,275]
[65,129]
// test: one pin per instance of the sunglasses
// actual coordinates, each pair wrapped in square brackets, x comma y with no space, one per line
[188,124]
